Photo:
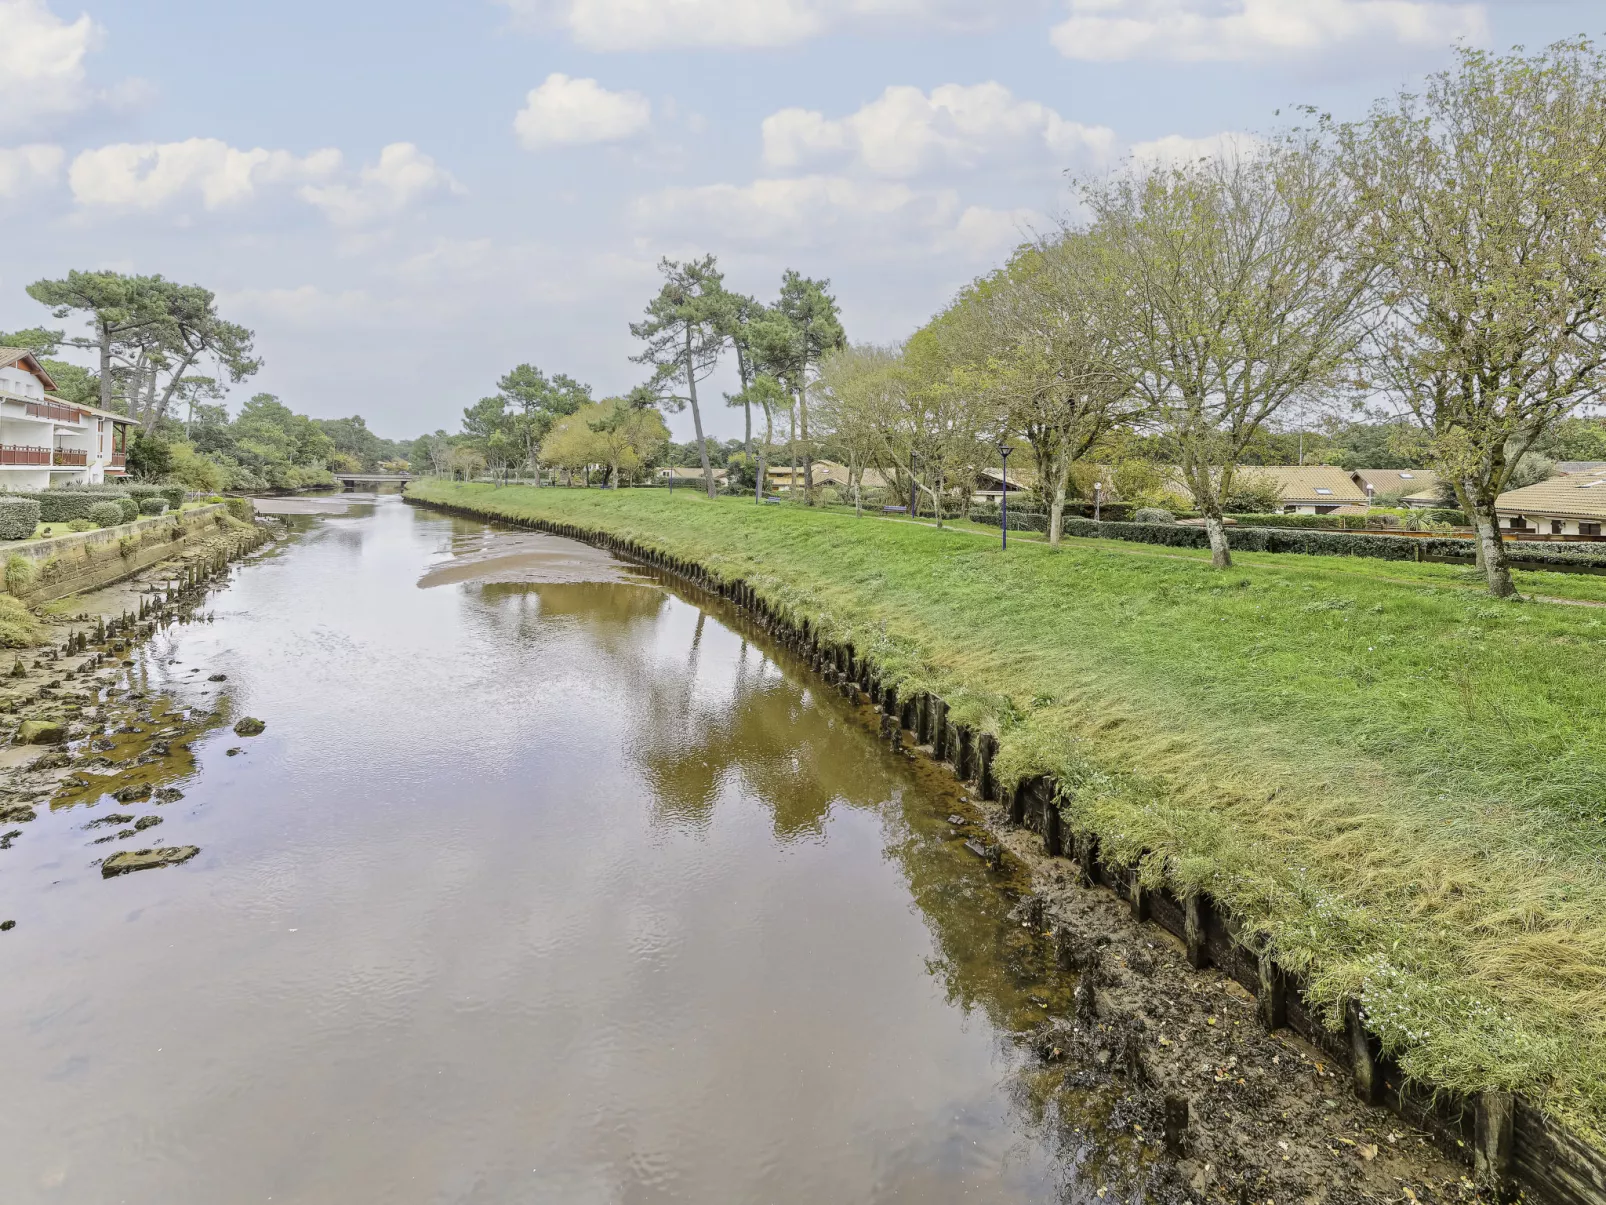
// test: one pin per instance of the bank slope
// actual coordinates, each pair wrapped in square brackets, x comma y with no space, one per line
[1398,787]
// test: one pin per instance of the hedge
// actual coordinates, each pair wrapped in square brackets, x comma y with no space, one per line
[1528,554]
[18,517]
[130,508]
[65,505]
[105,513]
[153,506]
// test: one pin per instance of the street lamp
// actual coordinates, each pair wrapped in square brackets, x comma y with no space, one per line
[1003,501]
[1098,496]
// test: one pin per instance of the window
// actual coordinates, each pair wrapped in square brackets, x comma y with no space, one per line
[1555,527]
[1323,490]
[1407,476]
[1589,529]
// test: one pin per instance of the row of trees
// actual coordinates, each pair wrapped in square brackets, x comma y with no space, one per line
[1443,260]
[165,357]
[779,349]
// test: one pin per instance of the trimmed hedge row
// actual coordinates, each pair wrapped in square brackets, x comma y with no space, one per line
[1318,543]
[18,517]
[173,494]
[1352,522]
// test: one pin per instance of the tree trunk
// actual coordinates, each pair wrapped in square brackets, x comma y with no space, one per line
[936,500]
[791,447]
[697,417]
[858,504]
[1056,505]
[762,474]
[1492,548]
[1220,555]
[105,365]
[808,450]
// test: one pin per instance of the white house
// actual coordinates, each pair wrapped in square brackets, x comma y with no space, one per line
[45,441]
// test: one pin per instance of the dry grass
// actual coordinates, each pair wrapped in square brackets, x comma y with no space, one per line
[1397,783]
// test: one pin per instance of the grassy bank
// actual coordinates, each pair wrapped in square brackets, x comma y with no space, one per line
[1399,783]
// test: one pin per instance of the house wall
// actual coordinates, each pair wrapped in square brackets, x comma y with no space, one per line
[1546,524]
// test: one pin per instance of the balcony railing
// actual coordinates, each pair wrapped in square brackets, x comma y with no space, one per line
[72,456]
[55,411]
[21,454]
[119,459]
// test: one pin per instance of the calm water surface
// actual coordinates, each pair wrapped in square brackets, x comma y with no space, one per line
[544,884]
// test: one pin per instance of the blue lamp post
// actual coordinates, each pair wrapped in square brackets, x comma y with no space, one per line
[1003,502]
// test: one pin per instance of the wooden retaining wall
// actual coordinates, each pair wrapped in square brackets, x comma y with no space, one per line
[1509,1143]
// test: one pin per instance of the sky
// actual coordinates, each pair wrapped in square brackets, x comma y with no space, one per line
[405,199]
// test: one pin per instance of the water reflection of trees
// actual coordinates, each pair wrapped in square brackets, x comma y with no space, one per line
[696,735]
[793,757]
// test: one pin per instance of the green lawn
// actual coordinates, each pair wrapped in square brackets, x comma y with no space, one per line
[1398,781]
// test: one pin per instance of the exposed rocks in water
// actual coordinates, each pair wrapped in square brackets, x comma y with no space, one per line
[218,678]
[250,726]
[7,838]
[128,861]
[114,818]
[54,760]
[7,925]
[234,752]
[145,822]
[17,813]
[133,793]
[41,732]
[168,795]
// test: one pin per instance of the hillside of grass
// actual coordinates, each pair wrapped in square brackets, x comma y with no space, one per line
[1397,782]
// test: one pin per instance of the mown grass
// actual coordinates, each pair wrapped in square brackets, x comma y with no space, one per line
[1397,783]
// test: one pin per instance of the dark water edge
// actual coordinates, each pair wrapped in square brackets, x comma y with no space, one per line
[545,882]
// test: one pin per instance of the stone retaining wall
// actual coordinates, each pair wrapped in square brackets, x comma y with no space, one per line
[87,560]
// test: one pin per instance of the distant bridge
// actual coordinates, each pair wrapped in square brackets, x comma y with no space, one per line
[352,480]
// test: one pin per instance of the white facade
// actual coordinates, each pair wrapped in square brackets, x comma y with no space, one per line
[45,441]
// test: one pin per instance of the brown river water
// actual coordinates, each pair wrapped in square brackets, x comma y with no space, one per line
[547,882]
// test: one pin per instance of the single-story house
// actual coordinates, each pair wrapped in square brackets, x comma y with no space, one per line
[1316,489]
[990,484]
[1571,505]
[778,477]
[1413,487]
[679,474]
[1580,466]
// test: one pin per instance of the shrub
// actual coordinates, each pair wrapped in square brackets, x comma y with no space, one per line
[18,517]
[82,525]
[19,573]
[175,495]
[130,509]
[241,509]
[72,502]
[141,490]
[105,514]
[19,628]
[1153,514]
[153,506]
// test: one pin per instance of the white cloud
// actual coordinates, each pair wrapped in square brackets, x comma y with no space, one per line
[573,112]
[1251,30]
[1175,150]
[25,168]
[656,24]
[150,175]
[41,63]
[403,176]
[837,212]
[906,132]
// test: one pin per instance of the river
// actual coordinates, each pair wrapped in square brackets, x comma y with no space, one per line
[545,882]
